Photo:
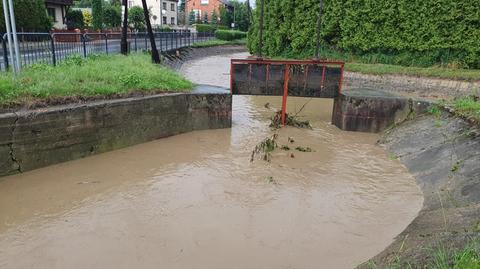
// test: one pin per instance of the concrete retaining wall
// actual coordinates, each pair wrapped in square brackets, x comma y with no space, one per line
[36,138]
[366,110]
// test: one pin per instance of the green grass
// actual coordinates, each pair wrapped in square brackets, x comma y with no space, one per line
[467,107]
[96,76]
[442,257]
[382,64]
[436,72]
[217,42]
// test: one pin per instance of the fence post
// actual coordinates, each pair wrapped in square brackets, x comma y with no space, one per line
[106,43]
[54,57]
[5,52]
[84,42]
[135,40]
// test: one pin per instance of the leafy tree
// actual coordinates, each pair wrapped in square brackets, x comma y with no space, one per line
[242,19]
[97,14]
[214,17]
[30,15]
[87,19]
[82,3]
[74,20]
[226,17]
[112,16]
[205,18]
[192,17]
[136,18]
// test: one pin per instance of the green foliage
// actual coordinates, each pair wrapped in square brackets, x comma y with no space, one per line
[112,16]
[191,18]
[87,18]
[97,14]
[98,75]
[205,28]
[230,34]
[216,42]
[468,107]
[136,18]
[74,19]
[205,18]
[226,17]
[30,16]
[214,17]
[242,20]
[404,32]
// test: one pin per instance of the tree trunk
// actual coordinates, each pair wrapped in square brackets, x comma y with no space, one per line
[155,55]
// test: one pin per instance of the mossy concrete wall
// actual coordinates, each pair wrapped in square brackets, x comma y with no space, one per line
[32,139]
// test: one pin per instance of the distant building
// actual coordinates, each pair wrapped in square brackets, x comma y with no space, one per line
[200,7]
[56,10]
[163,12]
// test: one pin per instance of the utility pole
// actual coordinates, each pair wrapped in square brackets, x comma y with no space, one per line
[12,35]
[123,43]
[155,55]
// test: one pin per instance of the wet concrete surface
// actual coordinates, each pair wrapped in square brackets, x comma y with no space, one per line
[196,201]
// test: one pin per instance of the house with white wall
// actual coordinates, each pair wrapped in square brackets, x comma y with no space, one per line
[57,9]
[163,12]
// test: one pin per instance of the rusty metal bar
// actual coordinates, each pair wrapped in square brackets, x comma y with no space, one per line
[285,93]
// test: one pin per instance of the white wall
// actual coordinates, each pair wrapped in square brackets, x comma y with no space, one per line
[154,6]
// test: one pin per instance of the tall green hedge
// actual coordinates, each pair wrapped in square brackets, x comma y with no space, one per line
[30,15]
[230,35]
[407,32]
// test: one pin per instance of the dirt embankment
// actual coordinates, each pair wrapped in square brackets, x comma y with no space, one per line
[443,153]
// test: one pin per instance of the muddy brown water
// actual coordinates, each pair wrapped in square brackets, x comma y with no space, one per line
[196,201]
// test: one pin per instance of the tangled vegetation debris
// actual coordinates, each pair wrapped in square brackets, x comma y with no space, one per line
[276,121]
[266,147]
[302,149]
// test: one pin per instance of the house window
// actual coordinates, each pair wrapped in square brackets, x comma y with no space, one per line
[204,2]
[51,13]
[172,21]
[130,4]
[172,7]
[164,20]
[164,6]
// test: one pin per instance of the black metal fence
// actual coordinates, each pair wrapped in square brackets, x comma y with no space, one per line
[52,48]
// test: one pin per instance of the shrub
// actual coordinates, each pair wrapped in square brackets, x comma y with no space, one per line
[74,19]
[205,28]
[137,18]
[413,33]
[230,35]
[30,15]
[97,14]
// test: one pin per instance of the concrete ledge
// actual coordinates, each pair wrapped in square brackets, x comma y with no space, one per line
[36,138]
[367,110]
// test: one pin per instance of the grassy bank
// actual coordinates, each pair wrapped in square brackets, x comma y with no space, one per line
[442,257]
[434,72]
[386,65]
[93,77]
[468,107]
[218,42]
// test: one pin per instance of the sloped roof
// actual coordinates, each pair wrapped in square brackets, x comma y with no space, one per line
[60,2]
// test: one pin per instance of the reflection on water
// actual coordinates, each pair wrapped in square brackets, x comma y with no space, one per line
[196,201]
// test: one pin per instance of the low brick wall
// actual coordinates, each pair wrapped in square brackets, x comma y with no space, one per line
[36,138]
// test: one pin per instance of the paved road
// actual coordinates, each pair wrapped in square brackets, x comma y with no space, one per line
[41,52]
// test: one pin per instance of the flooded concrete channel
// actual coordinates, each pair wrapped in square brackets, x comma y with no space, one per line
[196,201]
